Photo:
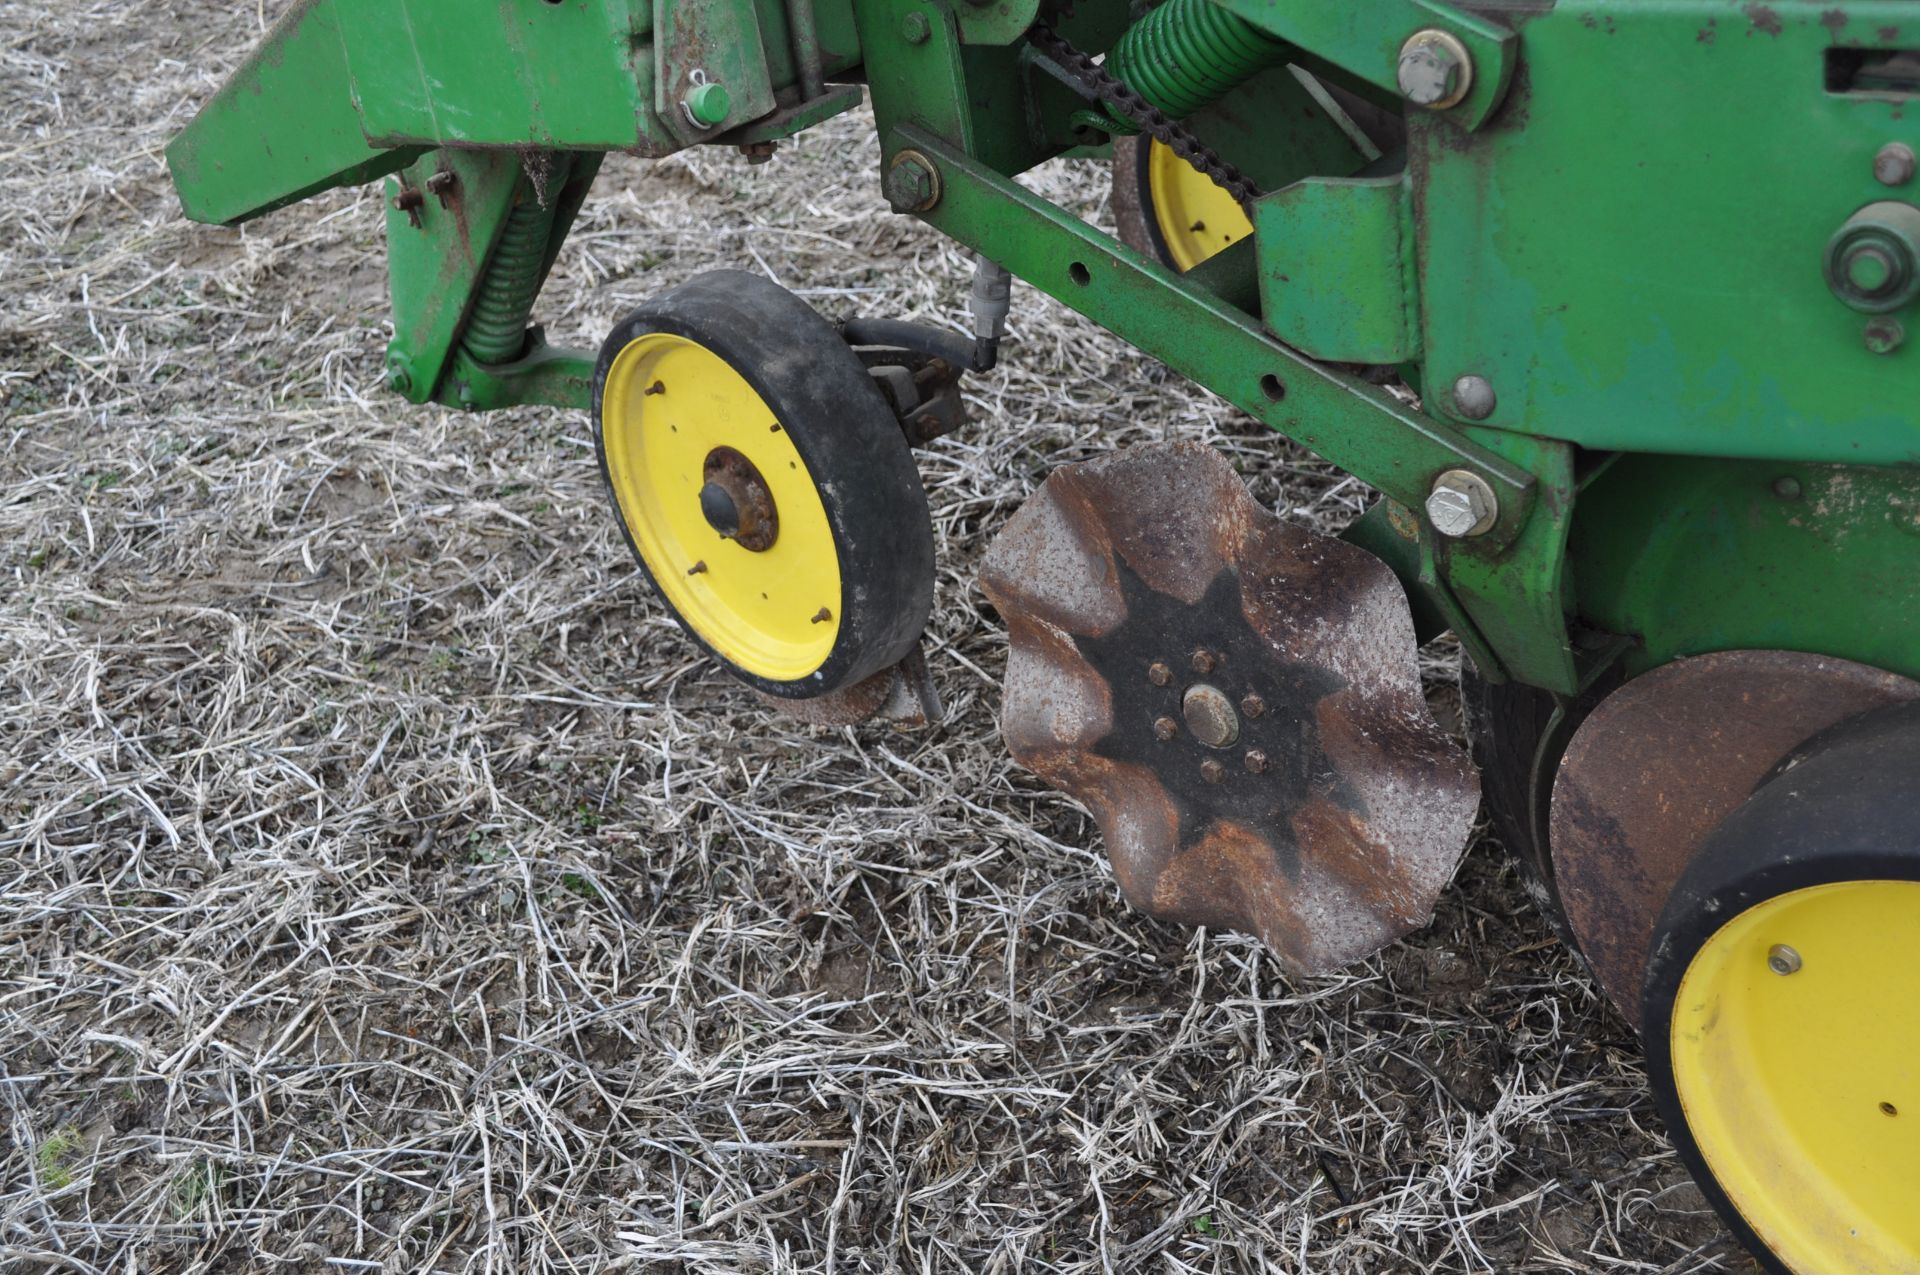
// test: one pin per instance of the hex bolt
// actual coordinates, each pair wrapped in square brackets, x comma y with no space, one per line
[1204,661]
[1165,728]
[1256,761]
[399,376]
[1473,397]
[914,28]
[912,183]
[1212,771]
[1885,334]
[707,104]
[1894,165]
[442,186]
[1159,674]
[1783,960]
[1461,505]
[1251,705]
[1435,70]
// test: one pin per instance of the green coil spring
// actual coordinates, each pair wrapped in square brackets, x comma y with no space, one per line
[497,328]
[1188,54]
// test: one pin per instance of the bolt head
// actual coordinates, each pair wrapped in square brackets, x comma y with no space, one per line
[1165,728]
[1204,661]
[1435,70]
[1894,165]
[1212,771]
[1462,505]
[911,184]
[1473,397]
[1783,960]
[708,105]
[1210,716]
[1159,674]
[1885,334]
[399,378]
[1256,762]
[914,28]
[1252,705]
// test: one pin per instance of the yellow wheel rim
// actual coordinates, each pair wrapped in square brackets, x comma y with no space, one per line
[1802,1089]
[1196,218]
[669,402]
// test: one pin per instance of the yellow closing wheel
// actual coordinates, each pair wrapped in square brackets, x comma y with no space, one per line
[1782,1007]
[764,485]
[1164,207]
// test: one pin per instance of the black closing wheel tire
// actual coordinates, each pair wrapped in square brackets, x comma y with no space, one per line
[764,485]
[1781,1007]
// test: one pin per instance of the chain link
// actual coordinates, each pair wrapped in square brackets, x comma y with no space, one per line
[1109,90]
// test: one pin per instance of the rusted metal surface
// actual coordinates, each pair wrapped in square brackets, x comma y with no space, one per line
[736,501]
[1234,699]
[1660,763]
[902,696]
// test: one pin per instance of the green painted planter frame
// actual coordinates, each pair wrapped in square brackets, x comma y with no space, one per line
[1694,443]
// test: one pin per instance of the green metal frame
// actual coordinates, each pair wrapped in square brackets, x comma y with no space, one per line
[1694,443]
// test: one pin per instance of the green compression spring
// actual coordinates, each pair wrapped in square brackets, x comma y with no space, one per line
[497,329]
[1187,54]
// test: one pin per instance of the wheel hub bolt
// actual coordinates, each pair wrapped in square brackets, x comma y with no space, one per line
[1783,960]
[1204,661]
[1210,716]
[1212,771]
[1159,674]
[1165,728]
[1252,705]
[1256,761]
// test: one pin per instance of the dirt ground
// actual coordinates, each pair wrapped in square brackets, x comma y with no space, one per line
[386,885]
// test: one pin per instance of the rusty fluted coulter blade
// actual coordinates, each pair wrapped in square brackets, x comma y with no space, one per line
[1235,700]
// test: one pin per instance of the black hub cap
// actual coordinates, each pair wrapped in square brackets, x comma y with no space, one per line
[720,511]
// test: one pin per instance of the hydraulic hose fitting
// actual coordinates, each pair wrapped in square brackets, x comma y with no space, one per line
[1188,54]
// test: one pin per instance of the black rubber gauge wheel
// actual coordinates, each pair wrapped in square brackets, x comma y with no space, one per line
[1781,1007]
[764,485]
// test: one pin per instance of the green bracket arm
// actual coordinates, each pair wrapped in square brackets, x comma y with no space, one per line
[1357,426]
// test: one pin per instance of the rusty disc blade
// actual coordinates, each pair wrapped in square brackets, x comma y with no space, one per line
[1236,701]
[1660,763]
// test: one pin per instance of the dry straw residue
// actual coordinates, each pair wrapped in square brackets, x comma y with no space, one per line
[385,885]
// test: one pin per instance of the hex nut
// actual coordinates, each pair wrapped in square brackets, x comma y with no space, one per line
[1251,705]
[1894,165]
[1159,674]
[1212,771]
[1256,762]
[1204,661]
[913,183]
[1473,397]
[1435,70]
[1165,728]
[1885,334]
[1462,505]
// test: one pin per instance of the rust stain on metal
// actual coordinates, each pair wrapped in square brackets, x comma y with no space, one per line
[902,696]
[1660,763]
[1328,814]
